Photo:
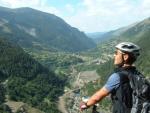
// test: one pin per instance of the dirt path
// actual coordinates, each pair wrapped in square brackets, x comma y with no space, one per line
[14,105]
[81,79]
[61,105]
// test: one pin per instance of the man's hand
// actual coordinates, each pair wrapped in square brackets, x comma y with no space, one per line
[83,106]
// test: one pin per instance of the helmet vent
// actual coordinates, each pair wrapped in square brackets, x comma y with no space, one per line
[128,46]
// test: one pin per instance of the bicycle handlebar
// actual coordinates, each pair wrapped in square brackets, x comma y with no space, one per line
[85,99]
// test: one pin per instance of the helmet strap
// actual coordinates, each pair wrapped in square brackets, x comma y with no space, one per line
[123,62]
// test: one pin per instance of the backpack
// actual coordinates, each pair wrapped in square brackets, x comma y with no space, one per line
[140,91]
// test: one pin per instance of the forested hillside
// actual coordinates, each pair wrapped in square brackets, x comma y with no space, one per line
[38,30]
[144,60]
[26,80]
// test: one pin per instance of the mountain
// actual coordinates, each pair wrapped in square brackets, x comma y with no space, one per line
[128,32]
[101,37]
[35,29]
[96,36]
[138,30]
[26,80]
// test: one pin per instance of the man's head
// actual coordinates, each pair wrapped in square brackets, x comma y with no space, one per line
[126,53]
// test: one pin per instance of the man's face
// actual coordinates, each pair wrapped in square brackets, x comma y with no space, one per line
[118,57]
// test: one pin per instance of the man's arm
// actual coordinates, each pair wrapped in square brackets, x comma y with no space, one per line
[112,83]
[99,95]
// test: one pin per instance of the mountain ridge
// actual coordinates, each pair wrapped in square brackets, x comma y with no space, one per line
[132,29]
[43,30]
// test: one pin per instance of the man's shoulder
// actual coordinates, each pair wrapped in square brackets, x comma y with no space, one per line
[114,75]
[112,82]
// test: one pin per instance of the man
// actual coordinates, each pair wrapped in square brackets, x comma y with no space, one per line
[118,85]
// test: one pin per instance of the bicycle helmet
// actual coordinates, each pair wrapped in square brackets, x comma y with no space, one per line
[128,47]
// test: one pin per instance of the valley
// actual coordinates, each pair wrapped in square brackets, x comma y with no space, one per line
[46,65]
[79,74]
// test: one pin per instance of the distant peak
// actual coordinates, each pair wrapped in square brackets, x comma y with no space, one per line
[24,9]
[5,8]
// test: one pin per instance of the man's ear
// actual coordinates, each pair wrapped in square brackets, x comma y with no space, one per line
[125,56]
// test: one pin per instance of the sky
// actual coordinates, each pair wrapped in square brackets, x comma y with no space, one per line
[90,15]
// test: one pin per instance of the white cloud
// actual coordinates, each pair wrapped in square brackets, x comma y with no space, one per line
[104,15]
[146,4]
[36,4]
[98,15]
[145,7]
[70,8]
[20,3]
[104,7]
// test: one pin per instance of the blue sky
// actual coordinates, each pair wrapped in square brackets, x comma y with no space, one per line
[62,3]
[90,15]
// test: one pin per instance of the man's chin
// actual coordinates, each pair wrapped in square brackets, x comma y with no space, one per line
[118,65]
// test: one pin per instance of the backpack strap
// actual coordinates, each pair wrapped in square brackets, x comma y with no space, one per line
[122,96]
[133,75]
[130,72]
